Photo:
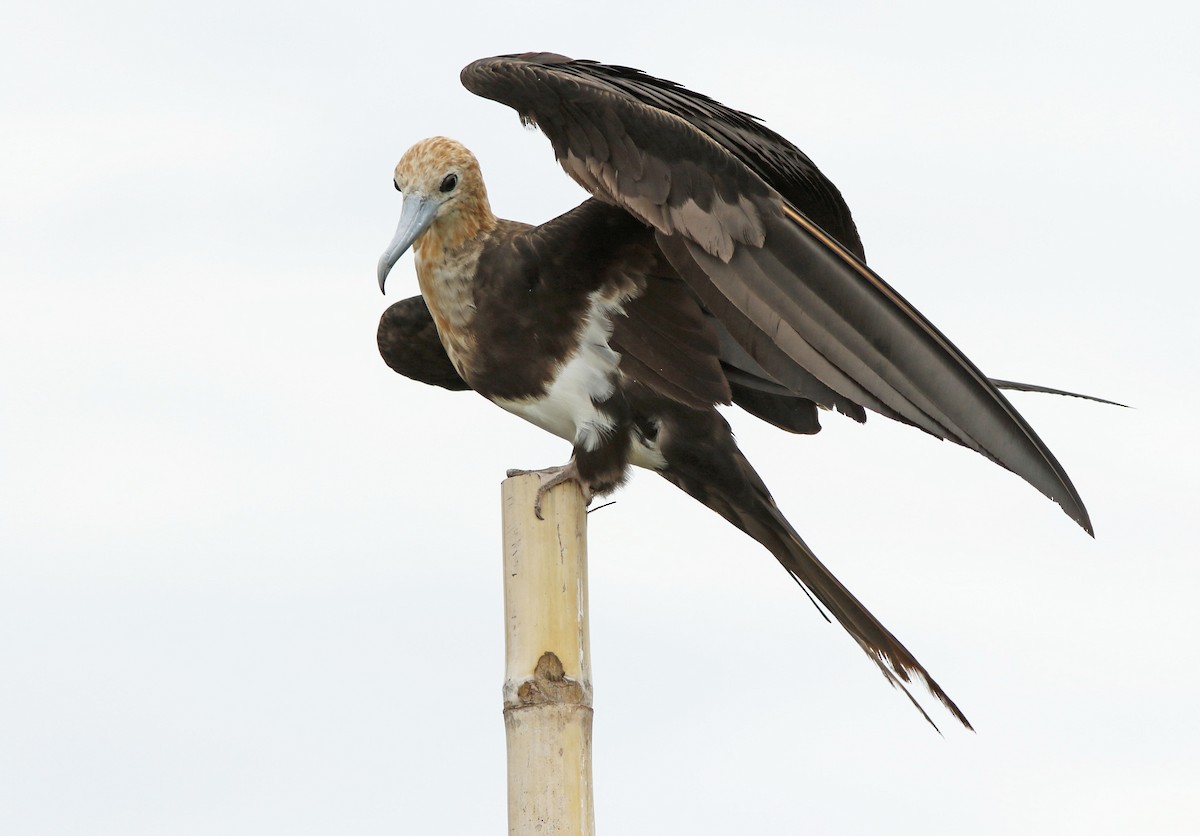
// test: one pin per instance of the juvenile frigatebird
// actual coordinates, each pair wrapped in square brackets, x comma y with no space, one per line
[713,264]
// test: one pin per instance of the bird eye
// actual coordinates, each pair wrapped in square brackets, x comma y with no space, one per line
[449,182]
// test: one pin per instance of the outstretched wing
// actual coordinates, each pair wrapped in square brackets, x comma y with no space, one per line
[765,243]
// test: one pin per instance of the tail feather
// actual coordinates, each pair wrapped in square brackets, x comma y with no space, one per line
[897,664]
[722,478]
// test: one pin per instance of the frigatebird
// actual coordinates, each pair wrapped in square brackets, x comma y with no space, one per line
[713,264]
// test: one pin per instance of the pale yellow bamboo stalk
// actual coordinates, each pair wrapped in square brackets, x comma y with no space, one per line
[548,676]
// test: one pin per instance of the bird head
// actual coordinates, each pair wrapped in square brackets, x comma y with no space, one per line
[444,196]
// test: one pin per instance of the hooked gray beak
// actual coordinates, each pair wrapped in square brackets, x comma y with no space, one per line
[415,217]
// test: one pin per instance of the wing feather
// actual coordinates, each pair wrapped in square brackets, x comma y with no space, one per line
[666,344]
[408,342]
[735,207]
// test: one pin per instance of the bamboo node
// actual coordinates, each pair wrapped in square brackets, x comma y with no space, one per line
[550,684]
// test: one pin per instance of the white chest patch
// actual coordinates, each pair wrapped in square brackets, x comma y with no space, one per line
[568,408]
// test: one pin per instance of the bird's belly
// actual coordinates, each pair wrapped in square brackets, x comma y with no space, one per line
[568,408]
[572,407]
[555,416]
[579,421]
[573,421]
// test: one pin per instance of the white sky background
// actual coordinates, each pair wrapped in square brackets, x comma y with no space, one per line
[249,578]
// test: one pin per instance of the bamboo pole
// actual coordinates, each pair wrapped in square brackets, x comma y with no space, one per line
[548,675]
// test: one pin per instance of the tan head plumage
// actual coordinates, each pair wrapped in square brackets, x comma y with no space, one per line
[442,169]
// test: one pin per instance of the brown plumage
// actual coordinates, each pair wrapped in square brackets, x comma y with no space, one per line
[714,264]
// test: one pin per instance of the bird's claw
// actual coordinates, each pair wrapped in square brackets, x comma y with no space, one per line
[552,476]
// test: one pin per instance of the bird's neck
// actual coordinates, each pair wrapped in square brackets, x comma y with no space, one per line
[446,259]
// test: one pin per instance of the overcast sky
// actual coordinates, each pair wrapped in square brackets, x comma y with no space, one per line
[250,578]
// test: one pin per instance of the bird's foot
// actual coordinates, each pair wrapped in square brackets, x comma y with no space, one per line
[551,476]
